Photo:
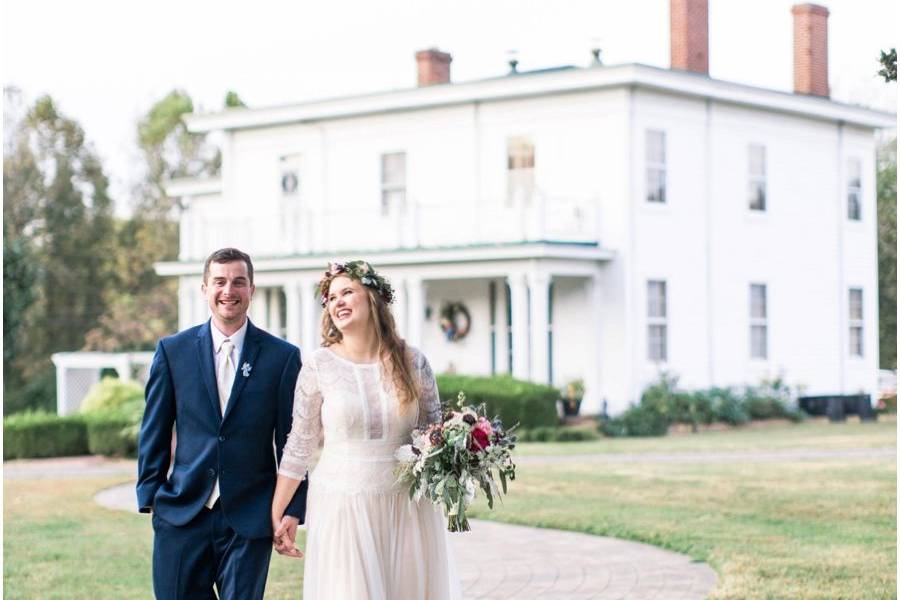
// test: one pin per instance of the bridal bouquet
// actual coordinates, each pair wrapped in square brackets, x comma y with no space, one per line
[448,461]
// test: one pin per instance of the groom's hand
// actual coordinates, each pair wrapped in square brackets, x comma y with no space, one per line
[285,537]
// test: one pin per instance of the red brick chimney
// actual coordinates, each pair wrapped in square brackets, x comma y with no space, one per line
[434,66]
[689,35]
[810,49]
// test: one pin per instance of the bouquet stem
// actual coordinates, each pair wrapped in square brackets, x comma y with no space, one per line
[456,524]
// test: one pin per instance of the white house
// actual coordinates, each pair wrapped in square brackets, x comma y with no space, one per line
[604,222]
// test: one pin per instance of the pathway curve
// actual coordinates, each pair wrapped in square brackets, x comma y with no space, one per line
[494,560]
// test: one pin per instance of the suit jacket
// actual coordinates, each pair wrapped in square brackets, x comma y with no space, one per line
[237,446]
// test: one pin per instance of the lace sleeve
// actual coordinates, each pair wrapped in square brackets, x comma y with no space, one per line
[306,429]
[429,400]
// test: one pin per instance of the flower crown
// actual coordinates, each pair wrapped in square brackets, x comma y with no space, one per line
[362,272]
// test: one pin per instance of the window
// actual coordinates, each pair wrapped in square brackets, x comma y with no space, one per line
[856,321]
[854,190]
[756,180]
[290,175]
[656,166]
[657,343]
[393,182]
[759,326]
[519,170]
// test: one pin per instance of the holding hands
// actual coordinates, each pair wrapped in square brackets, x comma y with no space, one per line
[285,534]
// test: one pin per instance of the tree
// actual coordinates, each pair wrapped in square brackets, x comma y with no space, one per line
[58,224]
[887,254]
[232,100]
[144,307]
[888,62]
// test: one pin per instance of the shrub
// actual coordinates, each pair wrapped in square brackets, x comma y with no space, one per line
[514,401]
[727,406]
[575,434]
[111,434]
[639,420]
[43,435]
[556,434]
[887,404]
[112,393]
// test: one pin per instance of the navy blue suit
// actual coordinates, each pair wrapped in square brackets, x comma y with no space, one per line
[236,447]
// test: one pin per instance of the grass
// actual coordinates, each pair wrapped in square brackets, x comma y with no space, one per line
[788,529]
[58,543]
[813,434]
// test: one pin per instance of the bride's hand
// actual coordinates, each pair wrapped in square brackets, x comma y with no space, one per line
[285,536]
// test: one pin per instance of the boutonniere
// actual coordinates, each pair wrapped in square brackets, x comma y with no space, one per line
[246,369]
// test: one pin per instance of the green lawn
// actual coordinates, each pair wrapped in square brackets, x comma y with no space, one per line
[780,529]
[813,434]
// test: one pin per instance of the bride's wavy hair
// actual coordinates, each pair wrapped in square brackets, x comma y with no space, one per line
[394,354]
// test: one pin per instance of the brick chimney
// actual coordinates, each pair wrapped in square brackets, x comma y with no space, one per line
[434,66]
[689,35]
[810,49]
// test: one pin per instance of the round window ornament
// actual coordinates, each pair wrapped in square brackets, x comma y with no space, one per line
[455,321]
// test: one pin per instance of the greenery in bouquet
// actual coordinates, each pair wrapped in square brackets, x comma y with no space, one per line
[448,461]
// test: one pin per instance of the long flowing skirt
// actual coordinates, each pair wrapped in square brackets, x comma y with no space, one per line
[367,541]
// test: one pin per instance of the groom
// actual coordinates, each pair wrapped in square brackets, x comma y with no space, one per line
[228,389]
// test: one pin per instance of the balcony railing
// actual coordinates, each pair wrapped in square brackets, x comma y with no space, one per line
[301,231]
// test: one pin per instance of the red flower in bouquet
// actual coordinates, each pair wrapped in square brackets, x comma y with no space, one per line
[480,440]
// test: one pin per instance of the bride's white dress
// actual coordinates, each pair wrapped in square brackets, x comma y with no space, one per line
[365,539]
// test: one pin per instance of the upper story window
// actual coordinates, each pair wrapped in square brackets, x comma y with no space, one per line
[393,182]
[856,321]
[657,325]
[759,323]
[756,177]
[656,166]
[519,170]
[290,175]
[854,190]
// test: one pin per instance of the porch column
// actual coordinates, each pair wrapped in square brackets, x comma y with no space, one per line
[399,307]
[292,312]
[199,305]
[415,305]
[309,327]
[259,308]
[539,284]
[594,377]
[274,311]
[186,295]
[518,292]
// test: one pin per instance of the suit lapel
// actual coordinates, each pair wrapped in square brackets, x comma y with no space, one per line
[208,366]
[248,357]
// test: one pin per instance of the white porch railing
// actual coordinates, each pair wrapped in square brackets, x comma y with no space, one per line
[300,231]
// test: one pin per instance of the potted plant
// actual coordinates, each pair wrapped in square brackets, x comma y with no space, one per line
[571,397]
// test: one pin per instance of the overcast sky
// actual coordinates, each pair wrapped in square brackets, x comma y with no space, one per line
[106,62]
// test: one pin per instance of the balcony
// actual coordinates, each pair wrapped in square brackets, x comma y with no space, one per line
[298,230]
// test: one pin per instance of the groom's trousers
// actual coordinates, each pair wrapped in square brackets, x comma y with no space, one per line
[189,560]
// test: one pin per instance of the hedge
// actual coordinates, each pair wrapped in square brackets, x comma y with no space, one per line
[557,434]
[44,435]
[513,400]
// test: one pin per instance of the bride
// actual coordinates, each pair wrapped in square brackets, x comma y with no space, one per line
[364,391]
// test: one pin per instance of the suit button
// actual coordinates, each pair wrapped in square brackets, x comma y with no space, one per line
[221,438]
[211,472]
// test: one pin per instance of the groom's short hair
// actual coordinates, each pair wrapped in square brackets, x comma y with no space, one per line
[227,255]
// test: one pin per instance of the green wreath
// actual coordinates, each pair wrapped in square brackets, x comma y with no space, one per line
[455,321]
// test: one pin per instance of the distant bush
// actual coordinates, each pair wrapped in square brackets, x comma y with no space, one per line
[645,419]
[663,404]
[111,394]
[557,434]
[43,435]
[111,434]
[513,400]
